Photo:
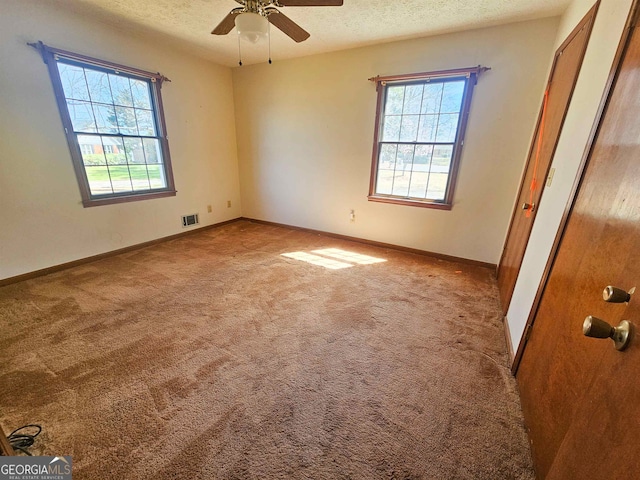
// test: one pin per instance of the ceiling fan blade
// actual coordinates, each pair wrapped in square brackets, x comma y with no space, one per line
[288,26]
[227,23]
[311,3]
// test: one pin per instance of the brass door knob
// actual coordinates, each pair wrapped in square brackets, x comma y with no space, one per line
[598,328]
[615,295]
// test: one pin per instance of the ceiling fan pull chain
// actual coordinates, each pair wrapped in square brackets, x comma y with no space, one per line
[239,52]
[269,35]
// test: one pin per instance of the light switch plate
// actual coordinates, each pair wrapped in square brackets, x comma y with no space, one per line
[552,172]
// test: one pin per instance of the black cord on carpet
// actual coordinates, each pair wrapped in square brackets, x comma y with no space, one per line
[22,441]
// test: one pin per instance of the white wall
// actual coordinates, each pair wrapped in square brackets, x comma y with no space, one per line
[597,63]
[42,221]
[305,136]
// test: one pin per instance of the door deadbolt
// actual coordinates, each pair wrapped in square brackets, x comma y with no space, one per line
[598,328]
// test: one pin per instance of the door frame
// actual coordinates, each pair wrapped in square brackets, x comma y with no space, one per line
[589,18]
[632,20]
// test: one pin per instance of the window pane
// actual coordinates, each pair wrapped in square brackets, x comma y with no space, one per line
[391,128]
[81,116]
[152,151]
[441,162]
[91,150]
[106,118]
[404,158]
[384,184]
[422,157]
[440,166]
[135,152]
[412,99]
[139,177]
[121,90]
[114,150]
[428,128]
[120,178]
[99,182]
[420,171]
[437,186]
[452,97]
[157,176]
[386,168]
[432,98]
[395,101]
[388,156]
[73,82]
[447,127]
[145,122]
[127,121]
[401,183]
[403,170]
[140,91]
[419,179]
[409,129]
[99,88]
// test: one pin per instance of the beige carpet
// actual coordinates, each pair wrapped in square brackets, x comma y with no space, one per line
[216,357]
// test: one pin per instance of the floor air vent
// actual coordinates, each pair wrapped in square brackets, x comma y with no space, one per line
[188,220]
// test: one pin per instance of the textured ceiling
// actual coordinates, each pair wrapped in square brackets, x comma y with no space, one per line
[188,23]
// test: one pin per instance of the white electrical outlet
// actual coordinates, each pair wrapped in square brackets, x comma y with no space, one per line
[352,216]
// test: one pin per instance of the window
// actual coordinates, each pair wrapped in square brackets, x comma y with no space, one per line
[86,149]
[421,120]
[114,124]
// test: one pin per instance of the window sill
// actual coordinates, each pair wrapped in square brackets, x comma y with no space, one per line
[96,202]
[410,202]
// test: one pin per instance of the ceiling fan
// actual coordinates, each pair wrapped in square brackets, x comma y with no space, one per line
[267,9]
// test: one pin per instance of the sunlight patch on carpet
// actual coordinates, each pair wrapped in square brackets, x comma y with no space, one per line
[333,258]
[346,256]
[317,260]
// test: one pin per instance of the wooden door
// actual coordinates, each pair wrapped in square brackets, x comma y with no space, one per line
[580,396]
[562,80]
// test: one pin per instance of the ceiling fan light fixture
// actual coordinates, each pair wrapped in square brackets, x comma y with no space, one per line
[251,26]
